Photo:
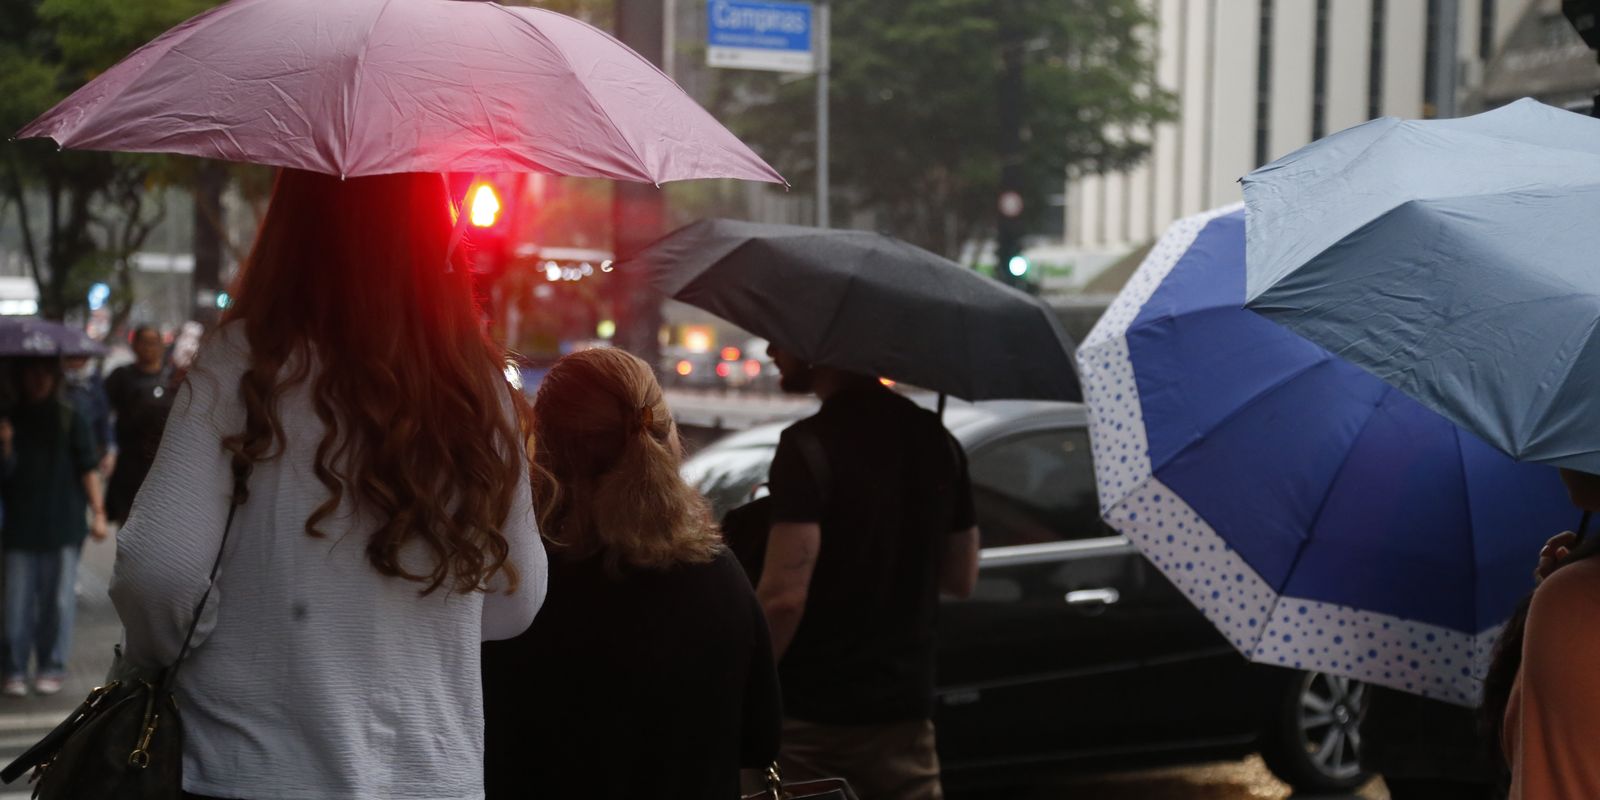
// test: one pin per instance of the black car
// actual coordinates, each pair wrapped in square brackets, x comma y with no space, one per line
[1074,651]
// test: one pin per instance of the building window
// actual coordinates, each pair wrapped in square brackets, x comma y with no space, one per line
[1319,75]
[1264,84]
[1375,61]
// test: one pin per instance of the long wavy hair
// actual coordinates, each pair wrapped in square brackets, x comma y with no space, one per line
[606,456]
[349,287]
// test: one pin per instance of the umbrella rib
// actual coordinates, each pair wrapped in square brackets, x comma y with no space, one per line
[640,164]
[1472,524]
[1566,375]
[355,89]
[1240,409]
[1068,345]
[1322,505]
[823,333]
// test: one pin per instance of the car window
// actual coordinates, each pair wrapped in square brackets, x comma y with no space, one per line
[1035,488]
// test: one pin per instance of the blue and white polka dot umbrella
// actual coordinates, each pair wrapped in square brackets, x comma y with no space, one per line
[1319,518]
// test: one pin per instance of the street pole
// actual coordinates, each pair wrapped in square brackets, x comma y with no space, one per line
[669,38]
[1585,18]
[1008,219]
[211,179]
[1444,59]
[824,35]
[638,210]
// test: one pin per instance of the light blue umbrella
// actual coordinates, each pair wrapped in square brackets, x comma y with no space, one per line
[1319,518]
[1458,260]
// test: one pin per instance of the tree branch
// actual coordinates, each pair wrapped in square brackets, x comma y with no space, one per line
[29,247]
[219,226]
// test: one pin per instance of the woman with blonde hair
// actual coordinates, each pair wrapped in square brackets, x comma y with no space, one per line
[649,673]
[386,527]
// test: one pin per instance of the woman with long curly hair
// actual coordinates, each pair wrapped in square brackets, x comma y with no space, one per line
[387,526]
[650,673]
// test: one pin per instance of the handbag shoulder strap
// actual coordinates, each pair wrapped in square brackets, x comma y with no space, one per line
[241,492]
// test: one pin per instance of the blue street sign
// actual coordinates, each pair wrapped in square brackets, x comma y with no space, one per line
[759,34]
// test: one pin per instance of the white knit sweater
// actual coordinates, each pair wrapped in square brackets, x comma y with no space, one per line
[313,677]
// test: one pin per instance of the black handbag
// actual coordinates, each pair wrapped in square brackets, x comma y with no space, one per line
[125,742]
[824,789]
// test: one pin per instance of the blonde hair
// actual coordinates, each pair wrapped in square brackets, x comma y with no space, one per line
[606,457]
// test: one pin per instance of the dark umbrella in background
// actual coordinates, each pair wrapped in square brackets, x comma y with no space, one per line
[39,338]
[868,303]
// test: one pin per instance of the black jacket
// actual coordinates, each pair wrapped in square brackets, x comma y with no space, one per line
[656,684]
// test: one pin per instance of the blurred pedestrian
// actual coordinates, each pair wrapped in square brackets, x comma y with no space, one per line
[6,464]
[1551,711]
[141,395]
[49,487]
[87,391]
[185,346]
[387,529]
[872,519]
[649,673]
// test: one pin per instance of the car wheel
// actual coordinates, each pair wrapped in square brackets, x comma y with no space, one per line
[1312,740]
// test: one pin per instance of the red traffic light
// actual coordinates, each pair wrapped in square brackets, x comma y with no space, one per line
[483,205]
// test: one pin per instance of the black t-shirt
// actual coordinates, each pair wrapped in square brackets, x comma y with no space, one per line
[141,400]
[895,486]
[656,684]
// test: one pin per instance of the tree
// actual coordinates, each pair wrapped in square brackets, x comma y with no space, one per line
[916,134]
[95,212]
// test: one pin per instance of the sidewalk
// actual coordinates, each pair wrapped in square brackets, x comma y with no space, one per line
[24,720]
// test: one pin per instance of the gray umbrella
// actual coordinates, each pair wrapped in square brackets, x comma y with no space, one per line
[868,303]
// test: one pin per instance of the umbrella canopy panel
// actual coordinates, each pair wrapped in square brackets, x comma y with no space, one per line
[1320,518]
[1454,259]
[367,87]
[869,303]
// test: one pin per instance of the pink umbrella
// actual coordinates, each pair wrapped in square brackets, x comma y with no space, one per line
[368,87]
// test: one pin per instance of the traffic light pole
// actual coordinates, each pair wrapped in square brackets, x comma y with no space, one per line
[211,180]
[638,212]
[1008,225]
[824,36]
[1585,18]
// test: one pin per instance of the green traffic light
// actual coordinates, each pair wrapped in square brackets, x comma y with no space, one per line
[1018,266]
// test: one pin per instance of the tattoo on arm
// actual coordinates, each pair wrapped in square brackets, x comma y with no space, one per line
[802,558]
